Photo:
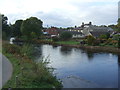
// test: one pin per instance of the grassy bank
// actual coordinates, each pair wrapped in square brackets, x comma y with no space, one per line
[29,73]
[68,42]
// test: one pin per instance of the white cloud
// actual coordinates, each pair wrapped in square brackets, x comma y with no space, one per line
[62,12]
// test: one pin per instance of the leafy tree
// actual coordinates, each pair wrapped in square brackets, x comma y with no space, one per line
[6,31]
[116,37]
[31,28]
[103,36]
[16,28]
[90,40]
[119,43]
[65,35]
[118,25]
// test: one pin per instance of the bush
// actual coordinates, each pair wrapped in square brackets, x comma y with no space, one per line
[27,50]
[96,42]
[116,37]
[11,48]
[65,35]
[55,39]
[90,40]
[103,36]
[119,43]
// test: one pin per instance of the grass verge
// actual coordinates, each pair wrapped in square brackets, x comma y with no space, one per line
[29,73]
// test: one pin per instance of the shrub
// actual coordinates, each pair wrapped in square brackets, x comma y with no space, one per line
[55,39]
[103,36]
[65,35]
[116,37]
[119,43]
[27,50]
[90,40]
[11,48]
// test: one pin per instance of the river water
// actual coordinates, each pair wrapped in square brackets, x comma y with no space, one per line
[100,68]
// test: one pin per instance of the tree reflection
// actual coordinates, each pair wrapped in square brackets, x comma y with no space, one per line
[118,70]
[119,59]
[89,54]
[66,50]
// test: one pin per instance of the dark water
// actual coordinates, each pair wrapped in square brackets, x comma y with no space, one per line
[99,68]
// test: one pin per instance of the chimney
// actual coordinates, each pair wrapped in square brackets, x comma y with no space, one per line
[90,23]
[82,24]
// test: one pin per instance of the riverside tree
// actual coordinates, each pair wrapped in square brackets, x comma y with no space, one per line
[6,30]
[31,28]
[16,28]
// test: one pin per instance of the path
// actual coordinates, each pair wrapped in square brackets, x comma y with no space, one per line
[75,82]
[6,71]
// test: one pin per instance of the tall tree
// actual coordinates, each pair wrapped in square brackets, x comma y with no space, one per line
[6,31]
[31,28]
[16,28]
[118,25]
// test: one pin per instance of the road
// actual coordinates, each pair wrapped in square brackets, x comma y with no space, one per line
[5,71]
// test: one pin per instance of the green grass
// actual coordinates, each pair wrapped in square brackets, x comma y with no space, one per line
[68,42]
[33,75]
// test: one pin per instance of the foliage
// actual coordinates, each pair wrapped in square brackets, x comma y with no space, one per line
[11,48]
[103,36]
[55,39]
[6,30]
[27,50]
[90,40]
[16,28]
[31,28]
[116,37]
[65,35]
[30,74]
[118,25]
[119,43]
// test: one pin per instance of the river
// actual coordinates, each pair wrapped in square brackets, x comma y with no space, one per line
[100,68]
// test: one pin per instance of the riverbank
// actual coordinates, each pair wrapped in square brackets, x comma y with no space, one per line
[26,72]
[108,49]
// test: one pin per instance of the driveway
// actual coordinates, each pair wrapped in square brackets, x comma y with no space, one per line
[6,70]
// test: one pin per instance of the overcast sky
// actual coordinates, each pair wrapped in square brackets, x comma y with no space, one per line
[62,13]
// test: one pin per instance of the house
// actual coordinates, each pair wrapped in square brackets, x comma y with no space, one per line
[53,31]
[96,31]
[76,34]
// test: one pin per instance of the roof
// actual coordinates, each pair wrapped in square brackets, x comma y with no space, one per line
[97,34]
[73,32]
[100,28]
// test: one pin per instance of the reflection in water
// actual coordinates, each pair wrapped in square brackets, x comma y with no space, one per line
[119,71]
[54,46]
[90,54]
[103,70]
[66,50]
[119,59]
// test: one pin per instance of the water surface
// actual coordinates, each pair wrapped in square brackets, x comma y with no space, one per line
[99,68]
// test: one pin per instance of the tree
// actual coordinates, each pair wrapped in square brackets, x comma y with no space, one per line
[31,28]
[119,43]
[65,35]
[103,36]
[16,28]
[118,25]
[6,31]
[90,40]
